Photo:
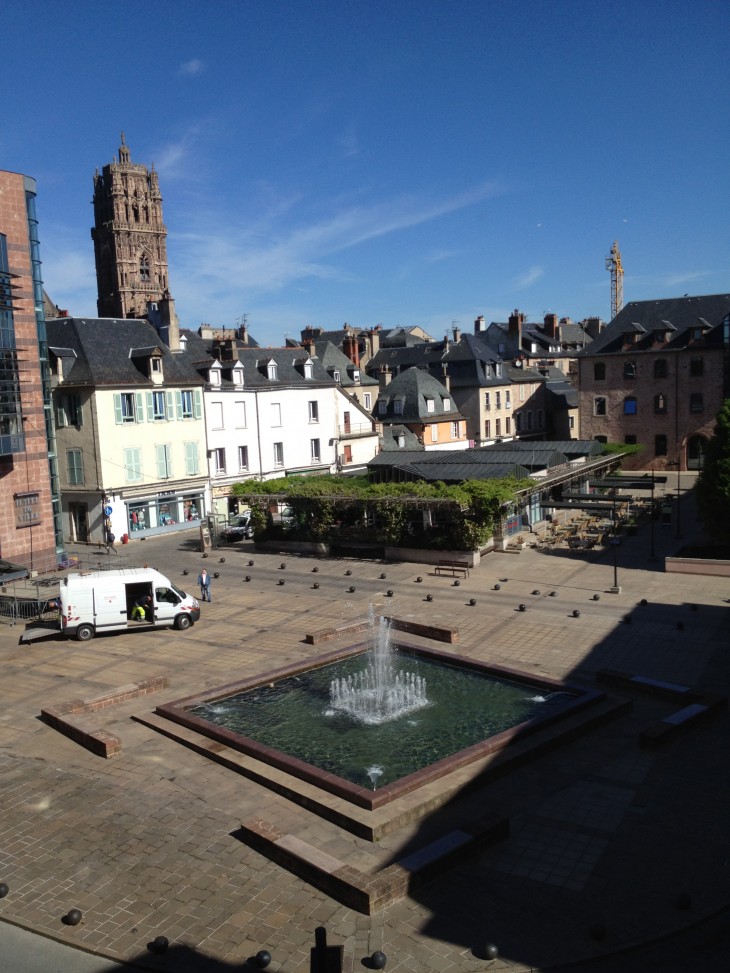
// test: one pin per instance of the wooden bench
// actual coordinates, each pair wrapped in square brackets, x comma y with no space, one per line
[453,567]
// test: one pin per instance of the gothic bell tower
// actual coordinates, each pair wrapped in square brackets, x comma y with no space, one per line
[130,239]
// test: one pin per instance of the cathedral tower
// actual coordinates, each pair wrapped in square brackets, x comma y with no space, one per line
[130,239]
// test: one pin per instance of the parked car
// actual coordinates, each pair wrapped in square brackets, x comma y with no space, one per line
[238,528]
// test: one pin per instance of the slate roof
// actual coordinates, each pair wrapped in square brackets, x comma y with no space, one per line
[411,388]
[446,465]
[102,347]
[573,448]
[289,362]
[392,432]
[332,359]
[676,316]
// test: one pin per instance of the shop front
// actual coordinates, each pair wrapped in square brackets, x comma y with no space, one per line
[164,512]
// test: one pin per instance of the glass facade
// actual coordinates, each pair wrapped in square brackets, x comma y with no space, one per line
[12,439]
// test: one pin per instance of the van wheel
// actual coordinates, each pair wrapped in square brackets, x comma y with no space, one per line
[183,621]
[84,633]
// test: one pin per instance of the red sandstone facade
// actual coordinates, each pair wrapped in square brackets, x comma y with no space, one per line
[27,534]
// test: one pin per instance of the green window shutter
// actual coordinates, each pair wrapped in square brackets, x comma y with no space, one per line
[178,403]
[170,411]
[161,464]
[150,407]
[61,418]
[197,404]
[79,411]
[138,407]
[118,408]
[191,458]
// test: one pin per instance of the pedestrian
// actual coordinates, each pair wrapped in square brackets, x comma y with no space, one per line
[204,582]
[142,609]
[109,539]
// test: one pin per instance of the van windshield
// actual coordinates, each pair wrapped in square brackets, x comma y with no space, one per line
[177,591]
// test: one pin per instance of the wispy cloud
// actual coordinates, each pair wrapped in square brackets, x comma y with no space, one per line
[276,252]
[530,277]
[436,256]
[677,280]
[348,142]
[191,68]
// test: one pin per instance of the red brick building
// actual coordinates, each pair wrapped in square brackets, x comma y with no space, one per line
[657,376]
[29,512]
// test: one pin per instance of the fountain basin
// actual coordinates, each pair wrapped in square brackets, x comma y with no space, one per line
[378,789]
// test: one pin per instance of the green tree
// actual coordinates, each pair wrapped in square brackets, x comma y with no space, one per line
[713,483]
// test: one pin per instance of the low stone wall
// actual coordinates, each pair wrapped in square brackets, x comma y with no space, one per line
[421,555]
[697,565]
[71,718]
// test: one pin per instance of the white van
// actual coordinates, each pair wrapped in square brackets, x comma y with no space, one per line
[105,601]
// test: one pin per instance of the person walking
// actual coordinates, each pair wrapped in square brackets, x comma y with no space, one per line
[204,583]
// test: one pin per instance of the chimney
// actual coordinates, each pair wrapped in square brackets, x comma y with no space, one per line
[384,377]
[446,381]
[593,327]
[552,329]
[351,349]
[169,324]
[373,338]
[516,320]
[480,325]
[457,333]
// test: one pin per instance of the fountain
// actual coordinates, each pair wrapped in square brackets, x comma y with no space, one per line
[378,693]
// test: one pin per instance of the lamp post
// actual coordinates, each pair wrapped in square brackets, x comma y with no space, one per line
[616,590]
[652,554]
[679,495]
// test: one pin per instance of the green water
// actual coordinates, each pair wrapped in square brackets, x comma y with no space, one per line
[295,717]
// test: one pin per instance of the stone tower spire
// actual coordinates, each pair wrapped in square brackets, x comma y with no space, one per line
[130,238]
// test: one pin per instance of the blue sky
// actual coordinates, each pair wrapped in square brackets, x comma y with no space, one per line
[394,161]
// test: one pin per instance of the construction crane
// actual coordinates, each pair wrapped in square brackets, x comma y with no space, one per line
[613,263]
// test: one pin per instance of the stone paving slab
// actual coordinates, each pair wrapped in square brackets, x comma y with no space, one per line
[144,843]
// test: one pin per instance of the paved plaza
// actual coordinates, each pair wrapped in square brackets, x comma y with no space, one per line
[611,845]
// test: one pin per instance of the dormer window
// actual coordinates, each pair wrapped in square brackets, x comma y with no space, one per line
[308,369]
[156,365]
[430,405]
[272,371]
[214,376]
[498,369]
[356,375]
[382,406]
[446,404]
[237,376]
[336,375]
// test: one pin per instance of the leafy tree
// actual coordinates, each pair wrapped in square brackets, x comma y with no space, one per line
[713,483]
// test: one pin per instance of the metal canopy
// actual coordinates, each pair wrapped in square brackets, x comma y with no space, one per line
[560,505]
[633,483]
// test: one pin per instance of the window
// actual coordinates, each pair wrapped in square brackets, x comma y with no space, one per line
[314,451]
[308,369]
[216,415]
[398,407]
[69,411]
[599,406]
[239,414]
[133,464]
[540,419]
[144,268]
[430,405]
[601,439]
[348,454]
[163,454]
[75,467]
[243,457]
[214,377]
[434,432]
[192,467]
[382,406]
[367,401]
[488,428]
[156,367]
[455,431]
[696,402]
[156,406]
[278,454]
[189,404]
[571,422]
[696,366]
[446,404]
[508,426]
[487,401]
[218,458]
[660,445]
[507,400]
[336,375]
[498,427]
[314,411]
[128,407]
[498,369]
[272,370]
[529,418]
[660,404]
[356,374]
[660,368]
[237,376]
[599,371]
[630,405]
[275,413]
[518,421]
[630,440]
[629,369]
[497,400]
